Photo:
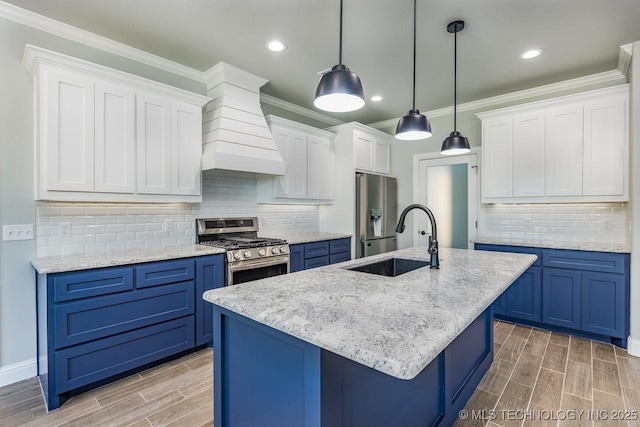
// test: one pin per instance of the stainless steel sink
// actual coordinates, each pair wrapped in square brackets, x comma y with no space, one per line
[391,267]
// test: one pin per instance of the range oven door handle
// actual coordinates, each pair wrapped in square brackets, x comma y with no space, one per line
[250,265]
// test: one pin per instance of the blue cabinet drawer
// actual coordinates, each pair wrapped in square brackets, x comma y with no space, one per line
[604,262]
[160,273]
[339,245]
[513,249]
[345,256]
[80,321]
[91,283]
[316,249]
[316,262]
[87,363]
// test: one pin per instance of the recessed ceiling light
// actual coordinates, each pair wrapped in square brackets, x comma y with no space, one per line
[532,53]
[376,98]
[276,46]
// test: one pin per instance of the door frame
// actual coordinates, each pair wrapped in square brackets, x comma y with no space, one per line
[474,199]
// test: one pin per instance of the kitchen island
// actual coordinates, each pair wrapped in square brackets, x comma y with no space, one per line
[335,347]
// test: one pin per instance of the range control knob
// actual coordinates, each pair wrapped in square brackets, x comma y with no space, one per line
[262,252]
[237,256]
[247,254]
[274,250]
[282,250]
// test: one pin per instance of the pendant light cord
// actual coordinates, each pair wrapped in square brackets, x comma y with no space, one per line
[340,49]
[414,53]
[455,78]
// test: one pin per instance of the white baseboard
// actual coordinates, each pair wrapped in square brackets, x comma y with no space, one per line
[17,372]
[633,347]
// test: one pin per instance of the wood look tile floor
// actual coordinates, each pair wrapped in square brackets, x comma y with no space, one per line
[535,374]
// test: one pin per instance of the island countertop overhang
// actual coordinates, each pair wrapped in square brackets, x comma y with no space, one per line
[396,325]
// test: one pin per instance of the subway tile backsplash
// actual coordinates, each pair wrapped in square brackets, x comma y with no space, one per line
[98,228]
[600,223]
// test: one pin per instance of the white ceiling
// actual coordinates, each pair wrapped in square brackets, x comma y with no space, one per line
[579,37]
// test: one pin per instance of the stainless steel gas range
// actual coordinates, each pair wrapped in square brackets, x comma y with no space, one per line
[248,256]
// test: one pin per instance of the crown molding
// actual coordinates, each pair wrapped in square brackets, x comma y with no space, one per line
[286,105]
[522,95]
[624,58]
[39,22]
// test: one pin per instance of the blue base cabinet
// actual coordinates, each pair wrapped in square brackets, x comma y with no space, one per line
[268,378]
[582,292]
[96,325]
[317,254]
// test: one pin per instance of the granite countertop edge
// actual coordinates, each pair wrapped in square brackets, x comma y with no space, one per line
[592,247]
[64,263]
[306,237]
[343,311]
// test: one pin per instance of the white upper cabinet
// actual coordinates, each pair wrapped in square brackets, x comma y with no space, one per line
[108,136]
[67,130]
[115,138]
[604,130]
[372,151]
[568,149]
[497,150]
[528,155]
[308,153]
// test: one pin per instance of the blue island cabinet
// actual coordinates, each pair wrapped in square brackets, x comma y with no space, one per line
[98,325]
[304,256]
[264,377]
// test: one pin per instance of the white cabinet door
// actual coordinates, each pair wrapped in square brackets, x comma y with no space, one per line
[153,158]
[604,145]
[382,156]
[293,148]
[363,147]
[563,151]
[497,154]
[186,148]
[67,148]
[115,138]
[320,169]
[528,155]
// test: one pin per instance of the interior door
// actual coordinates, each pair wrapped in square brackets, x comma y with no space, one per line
[448,187]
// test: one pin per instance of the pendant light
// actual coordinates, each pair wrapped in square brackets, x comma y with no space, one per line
[413,125]
[339,90]
[455,143]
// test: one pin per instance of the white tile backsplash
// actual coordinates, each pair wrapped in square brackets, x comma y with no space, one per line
[98,228]
[603,223]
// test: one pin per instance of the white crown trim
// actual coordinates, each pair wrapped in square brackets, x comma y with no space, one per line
[593,79]
[39,22]
[624,58]
[286,105]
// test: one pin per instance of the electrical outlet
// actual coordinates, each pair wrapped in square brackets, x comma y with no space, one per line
[606,224]
[65,229]
[527,222]
[168,225]
[17,232]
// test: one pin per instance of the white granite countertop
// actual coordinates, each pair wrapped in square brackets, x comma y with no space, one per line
[295,238]
[59,264]
[596,247]
[394,325]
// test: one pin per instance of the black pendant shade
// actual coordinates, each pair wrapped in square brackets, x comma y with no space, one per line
[413,125]
[455,143]
[340,89]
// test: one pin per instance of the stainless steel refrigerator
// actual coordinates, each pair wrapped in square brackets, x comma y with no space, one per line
[376,214]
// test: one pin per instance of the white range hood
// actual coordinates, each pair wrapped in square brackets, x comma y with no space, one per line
[235,135]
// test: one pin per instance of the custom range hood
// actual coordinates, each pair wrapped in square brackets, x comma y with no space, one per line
[235,132]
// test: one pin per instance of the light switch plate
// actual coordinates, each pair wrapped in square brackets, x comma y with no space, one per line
[17,232]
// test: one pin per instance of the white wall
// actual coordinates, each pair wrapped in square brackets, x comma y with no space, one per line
[634,342]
